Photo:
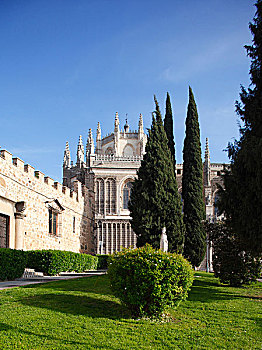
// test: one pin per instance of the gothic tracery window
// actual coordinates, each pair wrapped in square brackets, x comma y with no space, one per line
[126,194]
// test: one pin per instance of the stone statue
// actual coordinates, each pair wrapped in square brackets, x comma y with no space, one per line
[164,241]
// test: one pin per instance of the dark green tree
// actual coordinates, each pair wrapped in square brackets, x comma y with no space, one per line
[155,202]
[241,199]
[168,126]
[230,264]
[192,188]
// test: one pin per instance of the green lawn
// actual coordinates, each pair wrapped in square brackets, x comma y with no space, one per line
[83,314]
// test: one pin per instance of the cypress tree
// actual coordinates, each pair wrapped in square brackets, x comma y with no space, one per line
[155,202]
[241,199]
[168,126]
[192,188]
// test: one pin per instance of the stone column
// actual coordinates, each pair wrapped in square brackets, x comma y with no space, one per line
[126,236]
[118,194]
[19,225]
[120,236]
[105,195]
[112,238]
[99,235]
[106,238]
[115,237]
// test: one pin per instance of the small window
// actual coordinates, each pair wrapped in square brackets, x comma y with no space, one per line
[218,173]
[74,224]
[53,221]
[178,171]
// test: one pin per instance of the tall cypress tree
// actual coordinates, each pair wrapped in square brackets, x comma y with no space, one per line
[241,199]
[192,188]
[168,126]
[155,202]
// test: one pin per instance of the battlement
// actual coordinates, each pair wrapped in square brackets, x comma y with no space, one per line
[18,165]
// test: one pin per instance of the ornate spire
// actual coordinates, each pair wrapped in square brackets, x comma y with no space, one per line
[80,151]
[207,169]
[90,143]
[140,126]
[116,122]
[98,139]
[207,155]
[67,158]
[98,132]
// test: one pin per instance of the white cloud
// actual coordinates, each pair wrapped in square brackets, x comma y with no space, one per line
[223,52]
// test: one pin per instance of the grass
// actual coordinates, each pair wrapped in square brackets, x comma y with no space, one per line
[83,314]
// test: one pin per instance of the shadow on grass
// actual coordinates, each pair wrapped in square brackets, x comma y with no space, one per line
[209,291]
[91,284]
[77,305]
[6,328]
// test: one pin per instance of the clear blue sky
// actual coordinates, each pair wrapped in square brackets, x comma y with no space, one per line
[67,64]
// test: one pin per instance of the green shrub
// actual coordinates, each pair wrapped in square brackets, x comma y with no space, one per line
[230,263]
[102,261]
[52,262]
[12,263]
[148,281]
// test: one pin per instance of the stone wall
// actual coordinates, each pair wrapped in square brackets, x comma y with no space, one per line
[26,199]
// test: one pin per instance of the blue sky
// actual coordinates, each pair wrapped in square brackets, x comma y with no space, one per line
[67,64]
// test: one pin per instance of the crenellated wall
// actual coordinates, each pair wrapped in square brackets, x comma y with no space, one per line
[26,198]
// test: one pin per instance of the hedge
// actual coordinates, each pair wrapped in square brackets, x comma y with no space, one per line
[52,262]
[148,281]
[102,261]
[12,263]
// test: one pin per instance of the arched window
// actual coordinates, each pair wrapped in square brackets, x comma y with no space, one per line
[215,204]
[126,194]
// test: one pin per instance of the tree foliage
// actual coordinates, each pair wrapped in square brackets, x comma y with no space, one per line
[230,263]
[241,199]
[168,126]
[155,202]
[192,187]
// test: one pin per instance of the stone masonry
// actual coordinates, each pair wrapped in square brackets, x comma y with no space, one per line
[32,205]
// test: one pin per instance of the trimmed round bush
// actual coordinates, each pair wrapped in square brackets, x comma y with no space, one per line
[148,281]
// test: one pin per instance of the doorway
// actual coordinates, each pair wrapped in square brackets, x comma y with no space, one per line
[4,231]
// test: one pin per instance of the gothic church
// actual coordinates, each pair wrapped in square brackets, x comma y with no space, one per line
[88,213]
[108,171]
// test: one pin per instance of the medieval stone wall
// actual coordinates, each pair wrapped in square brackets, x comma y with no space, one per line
[38,195]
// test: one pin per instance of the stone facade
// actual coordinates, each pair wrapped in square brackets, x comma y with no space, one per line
[108,171]
[38,213]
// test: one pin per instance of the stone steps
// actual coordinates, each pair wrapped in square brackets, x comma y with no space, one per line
[31,273]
